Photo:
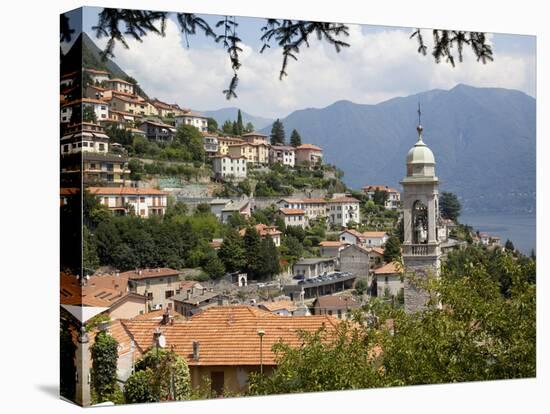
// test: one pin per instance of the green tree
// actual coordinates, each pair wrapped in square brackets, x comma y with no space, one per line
[160,375]
[88,114]
[240,126]
[213,266]
[212,125]
[136,169]
[104,366]
[191,139]
[90,259]
[509,246]
[361,286]
[277,133]
[269,265]
[392,249]
[380,197]
[295,139]
[292,248]
[232,252]
[249,127]
[227,127]
[252,243]
[449,206]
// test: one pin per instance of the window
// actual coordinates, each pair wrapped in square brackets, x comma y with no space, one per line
[168,294]
[386,279]
[149,295]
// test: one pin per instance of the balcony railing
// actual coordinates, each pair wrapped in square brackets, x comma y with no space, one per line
[420,249]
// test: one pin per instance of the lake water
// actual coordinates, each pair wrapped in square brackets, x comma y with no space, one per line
[520,228]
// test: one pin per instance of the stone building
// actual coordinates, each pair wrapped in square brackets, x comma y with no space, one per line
[421,246]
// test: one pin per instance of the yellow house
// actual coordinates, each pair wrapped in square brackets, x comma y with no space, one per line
[257,153]
[225,142]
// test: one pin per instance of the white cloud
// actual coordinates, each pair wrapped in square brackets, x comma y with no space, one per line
[376,67]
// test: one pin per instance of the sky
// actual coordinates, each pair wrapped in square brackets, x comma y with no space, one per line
[382,63]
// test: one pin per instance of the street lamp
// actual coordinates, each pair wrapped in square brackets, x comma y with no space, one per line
[261,334]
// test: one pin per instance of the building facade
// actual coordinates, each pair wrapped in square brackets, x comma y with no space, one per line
[228,166]
[282,154]
[342,211]
[191,118]
[142,202]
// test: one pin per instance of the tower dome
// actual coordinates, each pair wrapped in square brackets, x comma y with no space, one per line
[420,158]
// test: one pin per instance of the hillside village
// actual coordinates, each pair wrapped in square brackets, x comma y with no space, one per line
[188,220]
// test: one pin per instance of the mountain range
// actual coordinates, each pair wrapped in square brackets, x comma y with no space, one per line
[483,140]
[224,114]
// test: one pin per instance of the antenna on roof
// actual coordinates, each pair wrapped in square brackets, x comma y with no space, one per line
[419,114]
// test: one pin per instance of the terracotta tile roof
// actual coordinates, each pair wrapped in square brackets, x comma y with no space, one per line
[389,269]
[150,273]
[96,71]
[135,191]
[282,147]
[99,291]
[291,211]
[328,243]
[309,147]
[354,232]
[332,302]
[254,134]
[157,315]
[377,250]
[375,234]
[228,335]
[277,305]
[343,200]
[118,80]
[84,100]
[189,284]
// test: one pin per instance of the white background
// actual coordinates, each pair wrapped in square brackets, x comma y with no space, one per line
[29,203]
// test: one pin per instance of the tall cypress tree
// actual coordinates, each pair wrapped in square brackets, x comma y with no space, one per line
[269,259]
[295,139]
[232,252]
[252,243]
[277,133]
[240,126]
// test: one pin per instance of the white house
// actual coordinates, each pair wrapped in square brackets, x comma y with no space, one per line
[387,280]
[343,210]
[313,267]
[228,166]
[143,202]
[294,217]
[375,238]
[101,109]
[282,154]
[351,236]
[84,137]
[192,118]
[211,145]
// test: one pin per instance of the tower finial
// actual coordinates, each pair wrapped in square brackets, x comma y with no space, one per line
[419,126]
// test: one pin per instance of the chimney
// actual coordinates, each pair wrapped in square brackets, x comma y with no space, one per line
[117,274]
[140,272]
[196,350]
[165,317]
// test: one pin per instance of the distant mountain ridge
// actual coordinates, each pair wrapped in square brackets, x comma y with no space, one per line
[223,114]
[483,140]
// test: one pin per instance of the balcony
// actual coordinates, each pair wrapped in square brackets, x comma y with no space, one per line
[420,249]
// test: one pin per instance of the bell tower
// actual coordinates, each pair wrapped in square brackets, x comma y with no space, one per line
[421,247]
